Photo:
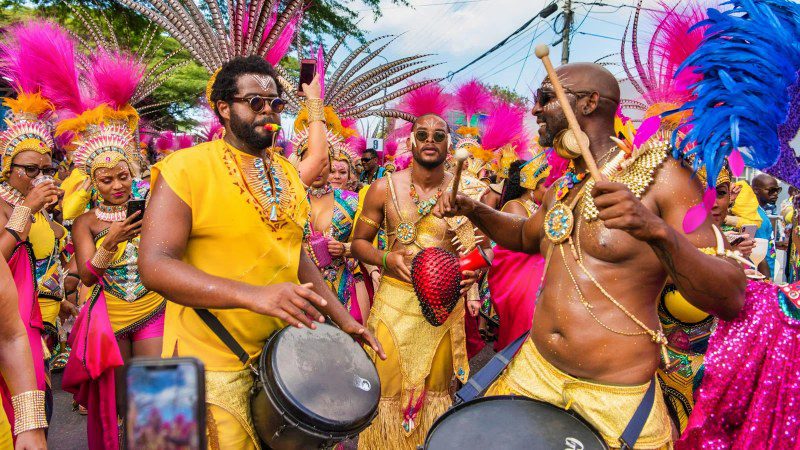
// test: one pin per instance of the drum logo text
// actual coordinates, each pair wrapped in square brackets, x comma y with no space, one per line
[362,384]
[573,444]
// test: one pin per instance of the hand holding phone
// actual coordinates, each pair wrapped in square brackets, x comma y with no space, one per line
[134,206]
[308,70]
[750,230]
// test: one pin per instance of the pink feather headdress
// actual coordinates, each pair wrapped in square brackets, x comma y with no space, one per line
[282,43]
[504,126]
[39,56]
[114,77]
[471,98]
[670,44]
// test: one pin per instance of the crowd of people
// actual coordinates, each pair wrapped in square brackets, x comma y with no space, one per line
[643,296]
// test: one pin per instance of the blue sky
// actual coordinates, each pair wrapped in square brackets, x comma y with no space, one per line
[459,31]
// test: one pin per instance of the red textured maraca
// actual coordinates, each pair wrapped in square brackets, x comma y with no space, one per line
[436,277]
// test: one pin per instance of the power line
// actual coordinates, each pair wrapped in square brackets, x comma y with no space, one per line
[544,13]
[425,4]
[522,69]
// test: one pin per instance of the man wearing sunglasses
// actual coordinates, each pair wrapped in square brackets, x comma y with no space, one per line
[372,167]
[222,241]
[767,191]
[596,342]
[422,358]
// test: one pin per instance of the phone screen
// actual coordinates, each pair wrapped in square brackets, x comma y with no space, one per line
[165,404]
[136,205]
[750,230]
[308,68]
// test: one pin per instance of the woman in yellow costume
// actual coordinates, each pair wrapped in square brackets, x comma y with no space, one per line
[106,246]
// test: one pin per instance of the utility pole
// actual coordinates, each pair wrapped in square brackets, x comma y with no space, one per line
[565,32]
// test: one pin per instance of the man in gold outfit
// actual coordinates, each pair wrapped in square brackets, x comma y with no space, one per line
[416,376]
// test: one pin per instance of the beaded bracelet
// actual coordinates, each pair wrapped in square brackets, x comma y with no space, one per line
[19,218]
[385,254]
[29,411]
[103,258]
[316,110]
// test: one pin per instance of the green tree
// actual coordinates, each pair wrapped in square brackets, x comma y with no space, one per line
[509,96]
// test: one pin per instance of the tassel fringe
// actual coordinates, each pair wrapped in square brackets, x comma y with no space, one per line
[386,431]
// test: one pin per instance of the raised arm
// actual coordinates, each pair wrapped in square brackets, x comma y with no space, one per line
[165,233]
[715,285]
[316,159]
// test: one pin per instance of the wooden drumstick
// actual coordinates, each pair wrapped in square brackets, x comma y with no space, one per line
[461,155]
[543,53]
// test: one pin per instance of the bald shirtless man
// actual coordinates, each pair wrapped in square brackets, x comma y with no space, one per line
[595,344]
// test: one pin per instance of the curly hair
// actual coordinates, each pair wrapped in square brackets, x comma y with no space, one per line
[512,189]
[225,85]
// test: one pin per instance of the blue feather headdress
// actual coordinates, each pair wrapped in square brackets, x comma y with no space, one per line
[748,60]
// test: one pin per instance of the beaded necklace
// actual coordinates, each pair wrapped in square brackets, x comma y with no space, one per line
[111,213]
[424,207]
[320,192]
[10,194]
[271,185]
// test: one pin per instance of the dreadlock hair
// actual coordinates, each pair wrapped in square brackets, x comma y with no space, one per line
[225,88]
[512,189]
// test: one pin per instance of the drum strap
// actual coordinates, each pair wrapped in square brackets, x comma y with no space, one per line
[223,334]
[479,382]
[639,419]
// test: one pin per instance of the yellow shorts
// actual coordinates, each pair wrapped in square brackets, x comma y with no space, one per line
[607,407]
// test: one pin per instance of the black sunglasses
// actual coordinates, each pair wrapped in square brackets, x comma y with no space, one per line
[438,136]
[258,103]
[33,171]
[775,190]
[365,159]
[544,97]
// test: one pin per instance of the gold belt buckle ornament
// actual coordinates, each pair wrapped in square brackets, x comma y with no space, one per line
[558,223]
[406,233]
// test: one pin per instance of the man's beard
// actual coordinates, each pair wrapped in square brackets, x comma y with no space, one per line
[247,133]
[553,127]
[427,164]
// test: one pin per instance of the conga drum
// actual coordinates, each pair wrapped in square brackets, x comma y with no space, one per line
[511,423]
[315,388]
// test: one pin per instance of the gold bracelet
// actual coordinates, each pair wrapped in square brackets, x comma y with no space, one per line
[28,411]
[316,110]
[19,218]
[103,258]
[369,222]
[347,248]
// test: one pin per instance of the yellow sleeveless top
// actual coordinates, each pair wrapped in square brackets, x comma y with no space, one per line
[232,237]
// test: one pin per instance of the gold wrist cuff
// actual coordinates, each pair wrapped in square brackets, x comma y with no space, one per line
[19,218]
[347,249]
[369,222]
[103,258]
[316,110]
[29,411]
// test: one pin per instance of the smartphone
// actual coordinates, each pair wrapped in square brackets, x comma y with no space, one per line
[136,205]
[750,230]
[737,240]
[308,68]
[165,404]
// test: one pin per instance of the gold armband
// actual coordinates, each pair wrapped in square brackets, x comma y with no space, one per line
[316,110]
[19,218]
[29,411]
[103,258]
[369,222]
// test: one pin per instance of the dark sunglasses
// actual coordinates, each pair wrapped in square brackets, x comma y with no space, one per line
[438,136]
[33,171]
[258,103]
[544,97]
[366,160]
[775,190]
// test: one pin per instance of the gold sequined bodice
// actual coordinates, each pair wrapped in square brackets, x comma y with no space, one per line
[431,231]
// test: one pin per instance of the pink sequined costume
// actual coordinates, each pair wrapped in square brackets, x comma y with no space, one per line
[750,395]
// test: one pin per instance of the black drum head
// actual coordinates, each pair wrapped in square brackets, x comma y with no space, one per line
[323,378]
[511,423]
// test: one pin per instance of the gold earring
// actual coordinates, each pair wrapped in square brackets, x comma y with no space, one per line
[566,144]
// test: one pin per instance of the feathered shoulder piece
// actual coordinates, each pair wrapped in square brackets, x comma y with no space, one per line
[748,62]
[354,87]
